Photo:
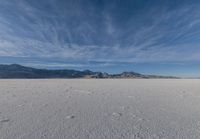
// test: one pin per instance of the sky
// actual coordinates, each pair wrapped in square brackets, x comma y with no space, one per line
[147,36]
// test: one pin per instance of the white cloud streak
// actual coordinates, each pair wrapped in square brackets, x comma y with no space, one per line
[39,34]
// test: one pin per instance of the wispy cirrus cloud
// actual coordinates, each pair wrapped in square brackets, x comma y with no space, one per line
[108,32]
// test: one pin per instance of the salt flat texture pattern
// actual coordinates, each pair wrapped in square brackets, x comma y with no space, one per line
[100,109]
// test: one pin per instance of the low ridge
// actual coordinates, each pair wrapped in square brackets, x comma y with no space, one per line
[19,71]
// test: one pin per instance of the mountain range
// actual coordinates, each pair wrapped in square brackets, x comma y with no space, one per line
[19,71]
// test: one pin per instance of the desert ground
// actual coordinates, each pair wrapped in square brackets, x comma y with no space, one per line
[100,109]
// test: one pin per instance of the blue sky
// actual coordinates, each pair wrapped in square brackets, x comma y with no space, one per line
[147,36]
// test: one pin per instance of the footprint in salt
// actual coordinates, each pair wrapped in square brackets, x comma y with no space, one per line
[90,93]
[45,105]
[70,117]
[117,114]
[4,120]
[125,107]
[140,119]
[21,105]
[133,116]
[137,135]
[198,125]
[155,136]
[183,94]
[131,97]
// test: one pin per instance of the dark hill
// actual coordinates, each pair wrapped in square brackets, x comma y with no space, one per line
[18,71]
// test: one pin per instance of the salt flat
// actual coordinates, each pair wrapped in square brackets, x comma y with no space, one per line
[100,109]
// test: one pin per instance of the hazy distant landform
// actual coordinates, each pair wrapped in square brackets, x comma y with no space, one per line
[18,71]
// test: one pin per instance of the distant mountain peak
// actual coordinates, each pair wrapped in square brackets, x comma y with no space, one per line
[19,71]
[130,73]
[16,65]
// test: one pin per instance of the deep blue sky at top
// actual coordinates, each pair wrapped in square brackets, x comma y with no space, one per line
[147,36]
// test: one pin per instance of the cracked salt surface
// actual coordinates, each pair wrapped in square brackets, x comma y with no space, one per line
[99,109]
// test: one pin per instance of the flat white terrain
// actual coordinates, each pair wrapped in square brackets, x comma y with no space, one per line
[100,109]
